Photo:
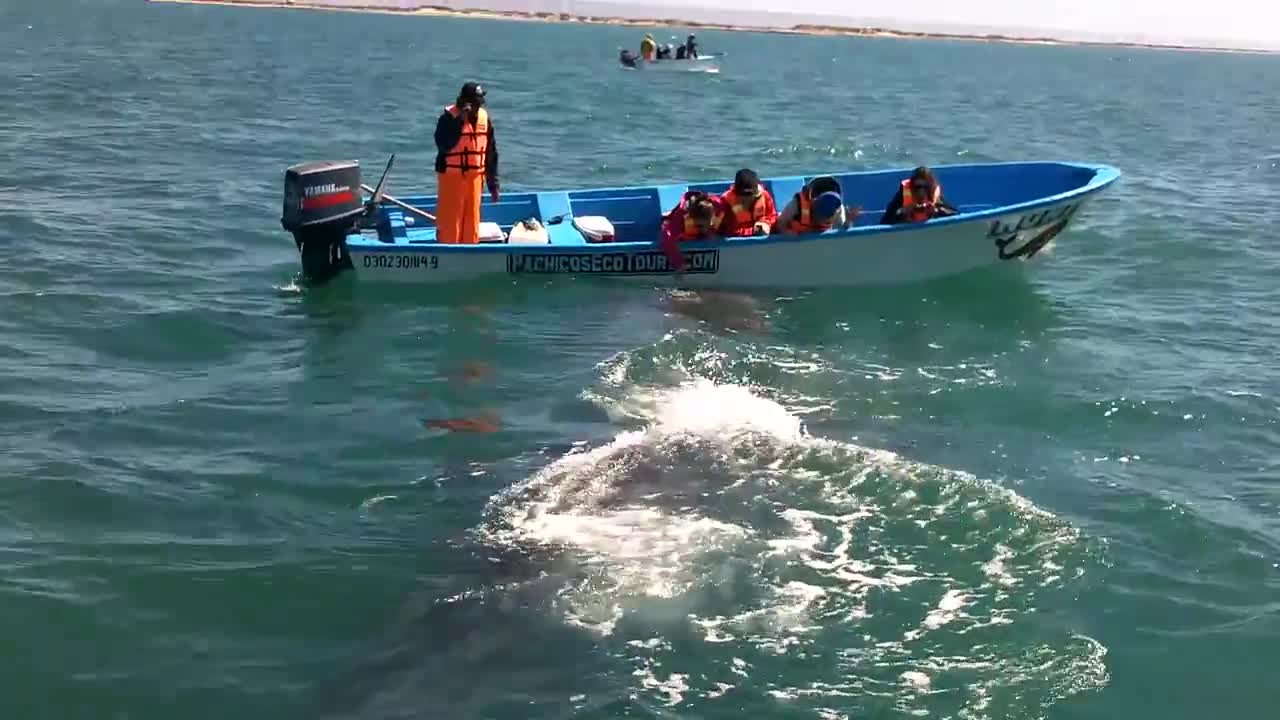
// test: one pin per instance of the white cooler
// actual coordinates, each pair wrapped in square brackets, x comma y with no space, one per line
[595,228]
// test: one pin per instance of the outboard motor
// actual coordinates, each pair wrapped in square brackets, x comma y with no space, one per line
[322,204]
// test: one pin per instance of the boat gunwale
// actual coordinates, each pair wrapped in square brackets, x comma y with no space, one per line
[1103,176]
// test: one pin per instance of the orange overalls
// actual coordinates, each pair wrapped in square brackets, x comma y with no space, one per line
[461,183]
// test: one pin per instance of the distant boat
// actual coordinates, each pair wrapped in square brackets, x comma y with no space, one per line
[702,63]
[1007,212]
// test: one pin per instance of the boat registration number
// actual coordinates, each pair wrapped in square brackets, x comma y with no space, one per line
[405,262]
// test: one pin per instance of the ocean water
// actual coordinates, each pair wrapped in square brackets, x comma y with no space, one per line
[1049,494]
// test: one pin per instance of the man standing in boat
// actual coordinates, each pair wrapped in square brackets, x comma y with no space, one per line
[466,158]
[648,47]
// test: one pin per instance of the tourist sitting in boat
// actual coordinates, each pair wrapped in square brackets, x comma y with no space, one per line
[682,52]
[818,207]
[691,47]
[749,208]
[627,57]
[664,51]
[919,198]
[699,216]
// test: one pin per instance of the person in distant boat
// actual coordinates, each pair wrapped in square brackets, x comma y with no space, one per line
[648,47]
[627,57]
[699,216]
[749,208]
[466,158]
[691,47]
[818,207]
[682,52]
[919,198]
[664,51]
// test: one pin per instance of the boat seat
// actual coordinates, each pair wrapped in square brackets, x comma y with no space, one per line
[670,196]
[786,188]
[564,233]
[552,205]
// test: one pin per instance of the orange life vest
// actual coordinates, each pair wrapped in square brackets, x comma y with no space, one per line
[803,221]
[745,215]
[918,210]
[469,154]
[691,229]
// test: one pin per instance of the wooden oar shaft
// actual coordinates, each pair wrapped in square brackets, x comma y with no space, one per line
[399,203]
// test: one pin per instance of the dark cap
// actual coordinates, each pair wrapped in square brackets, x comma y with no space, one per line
[471,91]
[701,208]
[746,182]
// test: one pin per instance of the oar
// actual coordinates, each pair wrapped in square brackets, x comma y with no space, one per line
[401,204]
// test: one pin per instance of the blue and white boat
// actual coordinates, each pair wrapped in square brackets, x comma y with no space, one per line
[702,63]
[1008,212]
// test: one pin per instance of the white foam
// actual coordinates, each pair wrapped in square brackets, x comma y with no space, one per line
[830,535]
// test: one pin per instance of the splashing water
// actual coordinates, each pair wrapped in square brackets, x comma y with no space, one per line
[721,537]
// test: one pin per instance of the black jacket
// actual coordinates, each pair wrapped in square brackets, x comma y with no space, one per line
[449,131]
[891,216]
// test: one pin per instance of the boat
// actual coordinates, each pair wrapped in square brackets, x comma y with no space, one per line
[1007,212]
[702,63]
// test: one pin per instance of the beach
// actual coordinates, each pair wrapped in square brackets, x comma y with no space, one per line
[797,29]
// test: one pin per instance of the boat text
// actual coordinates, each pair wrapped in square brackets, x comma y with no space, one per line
[1052,220]
[405,262]
[639,263]
[325,189]
[316,197]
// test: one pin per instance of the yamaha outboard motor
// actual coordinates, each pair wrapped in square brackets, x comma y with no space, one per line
[322,204]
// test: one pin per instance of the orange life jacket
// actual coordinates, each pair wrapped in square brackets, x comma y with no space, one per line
[469,155]
[803,221]
[745,215]
[915,210]
[691,229]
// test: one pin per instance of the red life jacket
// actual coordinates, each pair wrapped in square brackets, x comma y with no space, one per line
[691,230]
[918,209]
[744,215]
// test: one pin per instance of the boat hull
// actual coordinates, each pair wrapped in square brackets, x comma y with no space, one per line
[709,63]
[863,256]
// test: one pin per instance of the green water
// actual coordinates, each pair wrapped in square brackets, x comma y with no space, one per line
[993,496]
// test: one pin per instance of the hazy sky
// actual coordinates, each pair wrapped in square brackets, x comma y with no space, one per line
[1254,21]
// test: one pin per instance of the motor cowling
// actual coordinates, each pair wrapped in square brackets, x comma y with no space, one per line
[322,204]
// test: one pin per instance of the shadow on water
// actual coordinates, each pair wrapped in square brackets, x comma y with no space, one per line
[993,301]
[996,297]
[722,310]
[480,641]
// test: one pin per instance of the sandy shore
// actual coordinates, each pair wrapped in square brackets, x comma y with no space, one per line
[436,10]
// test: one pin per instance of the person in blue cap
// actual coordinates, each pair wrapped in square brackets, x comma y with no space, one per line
[818,207]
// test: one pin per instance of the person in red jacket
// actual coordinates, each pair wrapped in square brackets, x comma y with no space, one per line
[749,208]
[699,216]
